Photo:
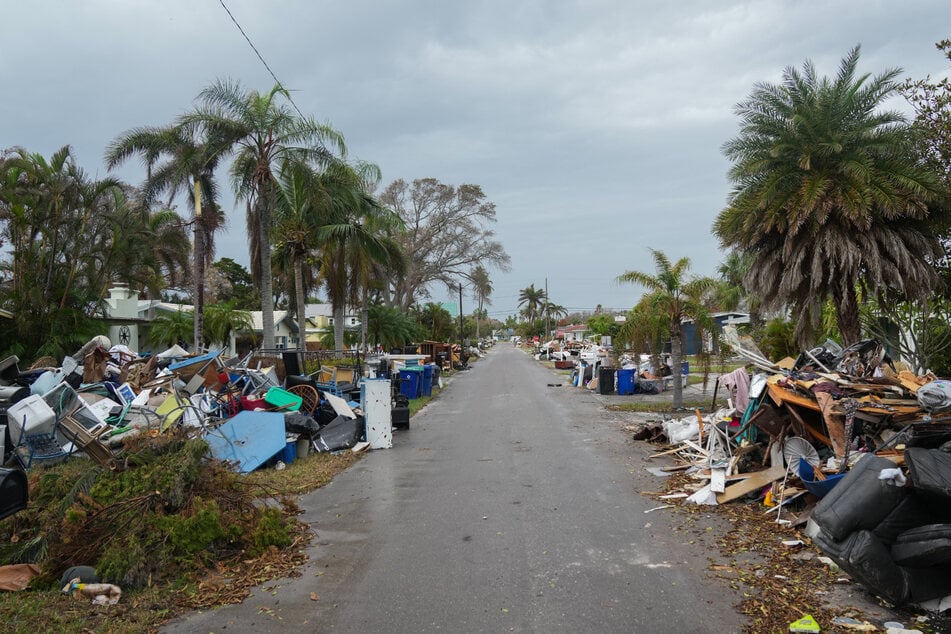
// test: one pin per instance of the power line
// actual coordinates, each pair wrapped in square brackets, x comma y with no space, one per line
[260,57]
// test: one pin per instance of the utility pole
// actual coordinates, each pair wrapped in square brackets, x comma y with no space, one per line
[547,311]
[460,323]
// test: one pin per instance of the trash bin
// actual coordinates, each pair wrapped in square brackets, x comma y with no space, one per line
[606,381]
[426,387]
[625,382]
[410,382]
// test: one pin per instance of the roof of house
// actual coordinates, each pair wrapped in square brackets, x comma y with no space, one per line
[257,319]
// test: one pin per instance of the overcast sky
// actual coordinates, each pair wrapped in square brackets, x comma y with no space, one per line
[595,127]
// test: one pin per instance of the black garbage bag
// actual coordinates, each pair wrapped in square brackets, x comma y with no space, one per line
[325,414]
[300,423]
[342,433]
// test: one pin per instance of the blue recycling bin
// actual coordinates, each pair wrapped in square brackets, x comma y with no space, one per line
[426,387]
[410,382]
[625,382]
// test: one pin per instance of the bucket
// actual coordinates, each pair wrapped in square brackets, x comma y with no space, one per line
[303,446]
[289,453]
[625,382]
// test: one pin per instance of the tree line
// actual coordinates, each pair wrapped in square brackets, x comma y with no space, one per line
[315,222]
[837,225]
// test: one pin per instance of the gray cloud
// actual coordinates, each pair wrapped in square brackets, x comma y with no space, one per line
[594,126]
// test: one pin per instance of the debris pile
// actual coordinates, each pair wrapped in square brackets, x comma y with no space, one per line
[249,411]
[839,441]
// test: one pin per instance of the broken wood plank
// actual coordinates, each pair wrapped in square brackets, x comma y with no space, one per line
[835,423]
[781,395]
[752,483]
[665,453]
[812,431]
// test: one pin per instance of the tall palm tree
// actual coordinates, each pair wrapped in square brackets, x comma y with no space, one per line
[263,131]
[300,201]
[675,297]
[176,160]
[481,290]
[531,299]
[828,195]
[355,235]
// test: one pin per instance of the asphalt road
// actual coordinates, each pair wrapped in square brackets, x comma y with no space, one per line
[511,505]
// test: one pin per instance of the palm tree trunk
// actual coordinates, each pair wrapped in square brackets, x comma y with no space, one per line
[676,354]
[301,301]
[267,280]
[338,324]
[364,318]
[847,314]
[199,272]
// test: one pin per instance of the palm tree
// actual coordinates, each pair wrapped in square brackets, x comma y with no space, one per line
[557,311]
[176,159]
[389,327]
[298,208]
[828,196]
[532,299]
[354,237]
[222,320]
[481,289]
[171,328]
[57,224]
[676,298]
[264,132]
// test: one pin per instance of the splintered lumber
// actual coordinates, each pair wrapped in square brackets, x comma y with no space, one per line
[834,423]
[783,396]
[808,428]
[909,381]
[752,483]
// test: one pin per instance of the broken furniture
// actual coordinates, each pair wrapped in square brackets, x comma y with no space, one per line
[248,440]
[85,435]
[376,404]
[895,540]
[309,396]
[33,431]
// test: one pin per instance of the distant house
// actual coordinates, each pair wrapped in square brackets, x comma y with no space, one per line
[573,333]
[690,343]
[320,322]
[286,332]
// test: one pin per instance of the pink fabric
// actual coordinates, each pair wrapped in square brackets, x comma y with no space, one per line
[737,383]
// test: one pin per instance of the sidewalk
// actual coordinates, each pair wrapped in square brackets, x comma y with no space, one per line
[693,393]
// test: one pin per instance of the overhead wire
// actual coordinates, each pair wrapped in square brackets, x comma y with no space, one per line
[261,57]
